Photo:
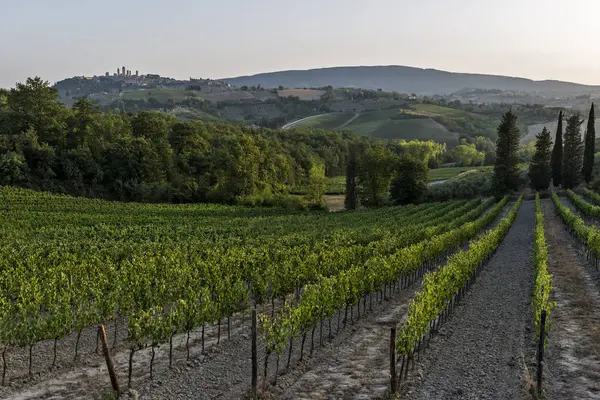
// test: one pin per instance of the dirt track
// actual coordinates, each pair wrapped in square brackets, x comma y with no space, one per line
[477,353]
[573,356]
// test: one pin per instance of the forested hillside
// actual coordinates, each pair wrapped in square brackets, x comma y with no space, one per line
[151,156]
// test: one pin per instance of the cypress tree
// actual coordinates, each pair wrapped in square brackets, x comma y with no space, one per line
[572,153]
[506,170]
[540,171]
[351,199]
[588,152]
[557,154]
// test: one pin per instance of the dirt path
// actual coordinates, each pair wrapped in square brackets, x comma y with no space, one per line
[477,353]
[574,342]
[356,115]
[356,366]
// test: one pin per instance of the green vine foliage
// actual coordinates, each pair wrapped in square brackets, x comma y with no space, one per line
[543,280]
[439,287]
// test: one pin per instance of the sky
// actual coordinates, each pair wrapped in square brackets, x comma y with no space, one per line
[537,39]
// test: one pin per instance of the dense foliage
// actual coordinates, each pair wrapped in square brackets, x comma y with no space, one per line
[589,150]
[410,183]
[557,154]
[572,153]
[540,171]
[506,170]
[467,185]
[150,156]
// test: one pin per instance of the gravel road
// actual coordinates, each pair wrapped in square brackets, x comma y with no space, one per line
[477,354]
[573,355]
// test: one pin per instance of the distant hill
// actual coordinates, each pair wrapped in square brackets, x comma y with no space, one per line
[409,80]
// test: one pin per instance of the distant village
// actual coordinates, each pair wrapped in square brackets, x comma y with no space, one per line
[124,79]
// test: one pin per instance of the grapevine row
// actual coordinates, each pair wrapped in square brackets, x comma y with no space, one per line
[163,286]
[321,300]
[588,235]
[543,280]
[441,287]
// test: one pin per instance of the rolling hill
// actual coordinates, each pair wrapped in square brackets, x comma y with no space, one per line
[420,121]
[408,80]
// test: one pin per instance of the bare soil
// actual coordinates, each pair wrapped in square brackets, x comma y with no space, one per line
[573,355]
[478,353]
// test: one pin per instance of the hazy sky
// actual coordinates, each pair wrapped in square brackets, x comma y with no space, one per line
[538,39]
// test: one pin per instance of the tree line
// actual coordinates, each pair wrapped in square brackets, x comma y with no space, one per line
[151,156]
[566,164]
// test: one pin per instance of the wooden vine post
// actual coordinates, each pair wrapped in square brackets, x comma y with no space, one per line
[540,364]
[393,385]
[109,361]
[254,357]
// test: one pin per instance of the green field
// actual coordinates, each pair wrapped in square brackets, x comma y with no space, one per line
[395,124]
[442,174]
[387,124]
[432,109]
[328,121]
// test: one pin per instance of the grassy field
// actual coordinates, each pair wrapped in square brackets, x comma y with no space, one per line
[395,124]
[442,174]
[432,109]
[328,121]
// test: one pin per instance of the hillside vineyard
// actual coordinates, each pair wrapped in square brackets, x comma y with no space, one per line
[176,285]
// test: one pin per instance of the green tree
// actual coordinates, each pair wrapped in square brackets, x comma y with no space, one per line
[572,152]
[526,152]
[557,154]
[35,105]
[317,184]
[588,152]
[410,183]
[540,170]
[506,170]
[418,149]
[12,168]
[484,144]
[374,174]
[466,154]
[351,199]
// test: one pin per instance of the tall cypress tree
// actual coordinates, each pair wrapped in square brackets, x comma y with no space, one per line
[540,171]
[588,152]
[506,170]
[572,153]
[557,154]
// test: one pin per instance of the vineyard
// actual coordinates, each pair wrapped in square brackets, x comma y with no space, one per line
[175,286]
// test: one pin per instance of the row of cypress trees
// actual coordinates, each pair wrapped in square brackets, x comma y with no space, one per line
[566,165]
[571,161]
